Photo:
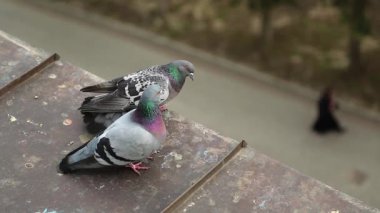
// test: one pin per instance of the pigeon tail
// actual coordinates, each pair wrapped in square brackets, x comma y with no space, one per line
[99,88]
[64,167]
[105,103]
[87,100]
[88,163]
[77,159]
[105,87]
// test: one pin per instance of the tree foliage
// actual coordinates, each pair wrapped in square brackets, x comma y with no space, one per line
[267,4]
[262,4]
[353,13]
[264,7]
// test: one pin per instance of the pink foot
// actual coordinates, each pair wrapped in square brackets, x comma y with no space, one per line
[163,108]
[136,167]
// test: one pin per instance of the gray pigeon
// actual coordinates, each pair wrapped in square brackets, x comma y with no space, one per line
[123,94]
[129,140]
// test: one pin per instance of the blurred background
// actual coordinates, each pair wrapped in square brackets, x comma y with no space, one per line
[311,43]
[315,42]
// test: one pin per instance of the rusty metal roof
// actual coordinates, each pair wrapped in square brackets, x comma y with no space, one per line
[197,170]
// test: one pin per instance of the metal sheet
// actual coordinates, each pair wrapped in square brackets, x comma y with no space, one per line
[252,182]
[18,61]
[36,135]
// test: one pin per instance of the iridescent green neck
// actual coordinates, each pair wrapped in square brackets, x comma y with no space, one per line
[174,73]
[148,109]
[176,77]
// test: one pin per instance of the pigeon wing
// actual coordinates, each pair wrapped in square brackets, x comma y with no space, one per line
[135,84]
[106,103]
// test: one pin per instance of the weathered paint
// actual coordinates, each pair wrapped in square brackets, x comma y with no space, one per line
[252,182]
[19,61]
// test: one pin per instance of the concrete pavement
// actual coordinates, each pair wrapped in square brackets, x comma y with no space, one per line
[273,121]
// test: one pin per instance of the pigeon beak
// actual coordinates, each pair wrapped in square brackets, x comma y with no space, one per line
[191,76]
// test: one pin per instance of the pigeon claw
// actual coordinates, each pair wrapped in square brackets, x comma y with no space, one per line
[136,167]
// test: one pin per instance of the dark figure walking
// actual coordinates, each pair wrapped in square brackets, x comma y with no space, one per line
[326,120]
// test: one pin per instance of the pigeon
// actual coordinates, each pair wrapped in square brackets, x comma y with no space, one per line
[123,94]
[129,140]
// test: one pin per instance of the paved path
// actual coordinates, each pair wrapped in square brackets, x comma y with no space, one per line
[272,121]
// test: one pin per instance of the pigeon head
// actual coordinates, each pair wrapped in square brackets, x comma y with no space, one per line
[178,71]
[148,108]
[186,68]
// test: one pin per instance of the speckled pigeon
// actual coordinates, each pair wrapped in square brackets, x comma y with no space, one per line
[129,140]
[124,93]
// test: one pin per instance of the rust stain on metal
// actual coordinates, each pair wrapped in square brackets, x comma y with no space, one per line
[29,165]
[67,122]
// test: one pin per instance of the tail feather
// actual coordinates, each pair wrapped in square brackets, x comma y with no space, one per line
[105,103]
[105,87]
[87,100]
[64,167]
[100,88]
[81,157]
[88,163]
